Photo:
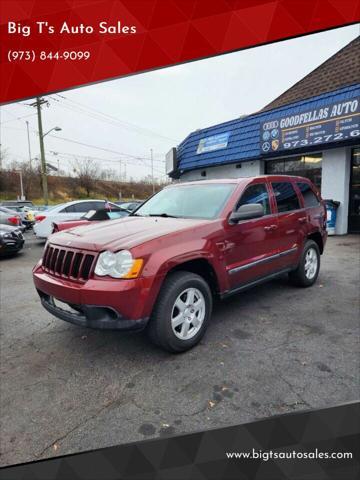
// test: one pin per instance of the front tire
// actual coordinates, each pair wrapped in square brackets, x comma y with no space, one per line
[182,312]
[309,266]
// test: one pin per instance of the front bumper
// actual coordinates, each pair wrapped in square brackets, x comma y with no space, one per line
[92,316]
[9,246]
[98,303]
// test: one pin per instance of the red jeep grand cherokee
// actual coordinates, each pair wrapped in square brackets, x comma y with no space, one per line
[160,267]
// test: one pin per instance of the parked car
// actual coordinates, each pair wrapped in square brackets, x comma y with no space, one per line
[66,211]
[27,216]
[91,216]
[11,240]
[185,245]
[9,217]
[16,203]
[131,206]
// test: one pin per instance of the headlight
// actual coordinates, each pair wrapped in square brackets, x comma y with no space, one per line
[118,265]
[7,235]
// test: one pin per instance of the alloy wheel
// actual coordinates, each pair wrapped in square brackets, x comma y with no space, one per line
[188,313]
[311,263]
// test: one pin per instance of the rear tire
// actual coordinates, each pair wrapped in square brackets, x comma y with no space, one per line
[182,312]
[309,266]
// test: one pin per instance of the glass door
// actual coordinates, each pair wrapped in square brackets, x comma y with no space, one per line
[354,198]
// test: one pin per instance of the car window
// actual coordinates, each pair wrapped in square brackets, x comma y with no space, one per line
[83,207]
[188,201]
[256,194]
[117,214]
[112,206]
[130,205]
[68,209]
[97,205]
[286,197]
[310,199]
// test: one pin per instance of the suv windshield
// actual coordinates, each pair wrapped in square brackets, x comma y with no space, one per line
[188,201]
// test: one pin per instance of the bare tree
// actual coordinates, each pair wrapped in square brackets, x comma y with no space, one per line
[108,174]
[31,178]
[87,171]
[3,156]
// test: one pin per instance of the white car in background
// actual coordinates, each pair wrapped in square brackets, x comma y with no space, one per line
[66,211]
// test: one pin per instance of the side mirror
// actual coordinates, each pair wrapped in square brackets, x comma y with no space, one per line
[246,212]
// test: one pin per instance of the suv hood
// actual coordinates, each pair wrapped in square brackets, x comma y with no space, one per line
[123,233]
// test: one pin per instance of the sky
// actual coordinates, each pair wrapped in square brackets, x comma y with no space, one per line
[119,122]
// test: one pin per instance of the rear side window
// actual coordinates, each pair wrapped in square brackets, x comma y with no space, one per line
[81,207]
[69,209]
[97,205]
[310,199]
[256,194]
[84,207]
[286,197]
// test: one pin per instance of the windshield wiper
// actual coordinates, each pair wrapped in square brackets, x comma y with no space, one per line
[165,215]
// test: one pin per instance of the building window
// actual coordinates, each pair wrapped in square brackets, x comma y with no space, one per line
[308,166]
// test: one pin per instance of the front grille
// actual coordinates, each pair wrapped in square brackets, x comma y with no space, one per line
[17,234]
[67,263]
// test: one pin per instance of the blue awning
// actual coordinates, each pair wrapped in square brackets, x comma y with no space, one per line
[245,135]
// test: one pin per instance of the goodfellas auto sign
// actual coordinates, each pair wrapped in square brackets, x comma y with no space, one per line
[335,122]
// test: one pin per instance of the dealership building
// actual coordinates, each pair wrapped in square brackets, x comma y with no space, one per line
[311,130]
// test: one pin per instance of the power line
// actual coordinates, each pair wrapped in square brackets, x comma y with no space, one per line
[95,147]
[17,118]
[106,160]
[87,157]
[125,156]
[64,156]
[123,123]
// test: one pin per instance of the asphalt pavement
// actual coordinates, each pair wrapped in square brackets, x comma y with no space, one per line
[271,350]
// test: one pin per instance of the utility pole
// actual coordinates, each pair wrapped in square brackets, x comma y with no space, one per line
[22,196]
[28,137]
[152,170]
[39,102]
[120,170]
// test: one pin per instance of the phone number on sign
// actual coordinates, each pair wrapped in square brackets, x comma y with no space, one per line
[322,139]
[31,55]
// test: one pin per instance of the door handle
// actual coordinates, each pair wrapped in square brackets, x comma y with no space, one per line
[302,219]
[269,228]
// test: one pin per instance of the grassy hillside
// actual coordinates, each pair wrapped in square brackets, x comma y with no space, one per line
[63,189]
